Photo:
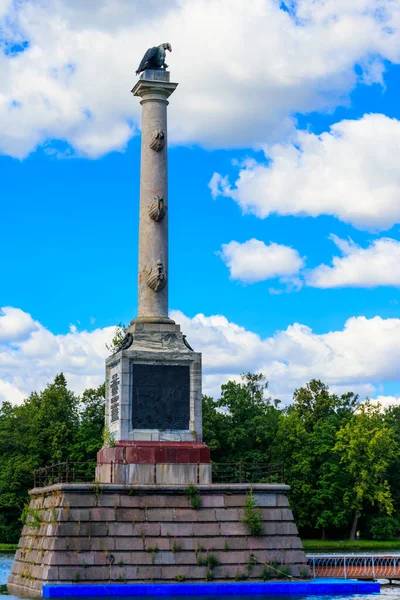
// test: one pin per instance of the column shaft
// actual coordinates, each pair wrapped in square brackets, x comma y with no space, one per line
[153,221]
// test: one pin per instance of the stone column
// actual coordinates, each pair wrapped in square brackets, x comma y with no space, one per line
[153,88]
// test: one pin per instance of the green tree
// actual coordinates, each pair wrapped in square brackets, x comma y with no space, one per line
[367,447]
[89,435]
[119,334]
[305,442]
[49,427]
[242,424]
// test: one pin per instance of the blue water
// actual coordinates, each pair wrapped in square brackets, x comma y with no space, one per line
[387,593]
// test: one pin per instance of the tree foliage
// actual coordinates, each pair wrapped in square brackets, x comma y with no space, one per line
[50,427]
[367,447]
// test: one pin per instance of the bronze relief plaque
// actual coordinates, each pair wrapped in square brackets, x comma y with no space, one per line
[160,396]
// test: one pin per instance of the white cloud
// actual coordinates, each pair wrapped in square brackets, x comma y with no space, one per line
[386,401]
[365,353]
[255,261]
[376,265]
[15,324]
[252,66]
[31,355]
[351,172]
[360,357]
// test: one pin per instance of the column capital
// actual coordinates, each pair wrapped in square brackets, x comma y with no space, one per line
[154,85]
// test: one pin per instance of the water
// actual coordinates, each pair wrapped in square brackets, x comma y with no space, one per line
[387,593]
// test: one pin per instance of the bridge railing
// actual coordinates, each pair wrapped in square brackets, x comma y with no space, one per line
[355,567]
[85,472]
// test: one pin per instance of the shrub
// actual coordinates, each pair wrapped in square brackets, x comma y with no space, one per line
[384,528]
[252,515]
[192,494]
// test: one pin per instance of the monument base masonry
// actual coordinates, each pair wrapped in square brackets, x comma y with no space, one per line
[93,533]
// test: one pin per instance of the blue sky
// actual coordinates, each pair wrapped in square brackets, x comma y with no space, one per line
[69,168]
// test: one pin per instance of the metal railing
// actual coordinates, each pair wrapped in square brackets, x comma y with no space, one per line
[85,472]
[248,472]
[65,472]
[358,566]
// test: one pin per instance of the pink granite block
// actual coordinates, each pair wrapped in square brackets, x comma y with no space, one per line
[149,573]
[233,529]
[234,500]
[109,500]
[287,514]
[212,501]
[165,558]
[160,514]
[157,542]
[156,501]
[131,514]
[176,529]
[282,500]
[129,543]
[207,514]
[103,544]
[146,529]
[121,529]
[227,514]
[192,572]
[102,514]
[271,514]
[187,514]
[206,529]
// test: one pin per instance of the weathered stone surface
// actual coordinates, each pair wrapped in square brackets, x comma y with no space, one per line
[160,514]
[205,529]
[150,533]
[216,501]
[176,474]
[130,514]
[226,514]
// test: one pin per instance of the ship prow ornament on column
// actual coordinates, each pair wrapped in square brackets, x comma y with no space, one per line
[153,383]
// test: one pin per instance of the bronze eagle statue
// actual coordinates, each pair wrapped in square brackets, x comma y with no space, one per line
[154,58]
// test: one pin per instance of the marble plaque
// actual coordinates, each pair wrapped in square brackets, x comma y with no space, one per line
[160,396]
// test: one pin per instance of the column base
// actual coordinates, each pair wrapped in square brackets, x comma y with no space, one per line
[155,463]
[152,319]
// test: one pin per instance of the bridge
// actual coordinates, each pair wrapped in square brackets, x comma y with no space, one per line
[355,566]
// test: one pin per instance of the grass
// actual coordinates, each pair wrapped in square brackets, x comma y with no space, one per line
[8,547]
[326,545]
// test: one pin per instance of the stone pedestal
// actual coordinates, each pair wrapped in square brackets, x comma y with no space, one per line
[158,463]
[91,533]
[153,388]
[153,396]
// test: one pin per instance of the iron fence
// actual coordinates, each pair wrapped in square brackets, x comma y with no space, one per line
[355,566]
[65,472]
[85,472]
[248,472]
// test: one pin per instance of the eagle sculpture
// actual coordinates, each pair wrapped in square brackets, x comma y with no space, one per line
[154,58]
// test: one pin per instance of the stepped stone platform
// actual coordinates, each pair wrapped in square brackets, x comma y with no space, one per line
[113,533]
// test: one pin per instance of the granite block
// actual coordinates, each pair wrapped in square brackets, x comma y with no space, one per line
[160,514]
[130,514]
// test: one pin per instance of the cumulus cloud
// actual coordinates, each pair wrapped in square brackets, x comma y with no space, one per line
[252,67]
[376,265]
[351,172]
[255,261]
[359,357]
[31,355]
[386,401]
[15,324]
[345,359]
